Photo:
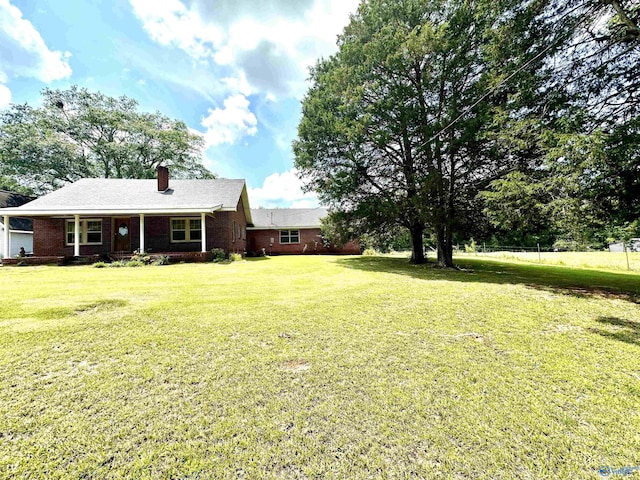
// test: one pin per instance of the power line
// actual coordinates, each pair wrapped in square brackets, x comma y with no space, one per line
[505,80]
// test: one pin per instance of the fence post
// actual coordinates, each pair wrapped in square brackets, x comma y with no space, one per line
[539,257]
[626,252]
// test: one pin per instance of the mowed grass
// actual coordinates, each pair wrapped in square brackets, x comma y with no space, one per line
[318,367]
[601,260]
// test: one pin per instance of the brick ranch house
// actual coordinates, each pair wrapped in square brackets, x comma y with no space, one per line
[105,217]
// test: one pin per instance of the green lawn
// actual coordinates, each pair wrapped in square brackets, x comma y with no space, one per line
[318,367]
[601,260]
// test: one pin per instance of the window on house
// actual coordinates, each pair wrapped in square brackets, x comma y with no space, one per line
[195,231]
[186,230]
[90,232]
[289,236]
[233,231]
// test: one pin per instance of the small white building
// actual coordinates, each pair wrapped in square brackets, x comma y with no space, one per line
[633,246]
[20,229]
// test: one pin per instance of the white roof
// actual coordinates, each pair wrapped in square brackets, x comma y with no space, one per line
[276,218]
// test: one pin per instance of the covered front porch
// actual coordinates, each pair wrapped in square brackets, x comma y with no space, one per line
[125,238]
[172,257]
[85,234]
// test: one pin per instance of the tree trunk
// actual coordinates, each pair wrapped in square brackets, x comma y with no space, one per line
[445,247]
[417,245]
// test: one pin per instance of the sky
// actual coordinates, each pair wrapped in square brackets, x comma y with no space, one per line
[233,70]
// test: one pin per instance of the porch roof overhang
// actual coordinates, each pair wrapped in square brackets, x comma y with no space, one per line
[107,211]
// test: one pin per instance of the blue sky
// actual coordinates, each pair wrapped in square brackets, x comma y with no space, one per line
[233,70]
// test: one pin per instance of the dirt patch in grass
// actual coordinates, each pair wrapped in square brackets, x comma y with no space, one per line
[296,365]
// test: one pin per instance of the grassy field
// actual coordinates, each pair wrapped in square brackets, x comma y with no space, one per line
[319,367]
[600,260]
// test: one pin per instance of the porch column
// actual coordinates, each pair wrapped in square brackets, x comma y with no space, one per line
[76,235]
[203,231]
[142,233]
[7,238]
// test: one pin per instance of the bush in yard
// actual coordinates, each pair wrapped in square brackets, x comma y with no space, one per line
[100,265]
[141,257]
[235,257]
[370,252]
[217,254]
[161,260]
[118,264]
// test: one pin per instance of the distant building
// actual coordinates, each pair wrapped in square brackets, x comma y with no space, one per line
[20,229]
[633,246]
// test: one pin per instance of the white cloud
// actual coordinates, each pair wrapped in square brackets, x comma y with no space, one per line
[5,96]
[282,190]
[23,52]
[268,45]
[231,123]
[171,23]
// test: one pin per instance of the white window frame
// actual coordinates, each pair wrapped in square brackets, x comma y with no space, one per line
[84,232]
[187,229]
[288,236]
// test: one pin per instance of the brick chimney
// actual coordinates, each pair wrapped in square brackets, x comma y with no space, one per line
[163,178]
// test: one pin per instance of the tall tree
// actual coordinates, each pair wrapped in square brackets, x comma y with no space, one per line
[589,131]
[77,133]
[398,129]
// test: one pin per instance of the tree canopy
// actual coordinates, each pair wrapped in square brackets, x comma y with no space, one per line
[427,105]
[77,133]
[392,132]
[590,166]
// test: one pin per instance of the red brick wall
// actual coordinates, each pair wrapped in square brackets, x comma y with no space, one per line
[310,243]
[217,230]
[49,238]
[158,235]
[220,230]
[239,243]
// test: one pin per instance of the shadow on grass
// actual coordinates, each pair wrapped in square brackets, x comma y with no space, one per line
[257,259]
[625,330]
[556,279]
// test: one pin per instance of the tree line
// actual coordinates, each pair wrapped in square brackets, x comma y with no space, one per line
[452,119]
[77,133]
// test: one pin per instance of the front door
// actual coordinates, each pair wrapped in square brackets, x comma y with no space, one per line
[122,235]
